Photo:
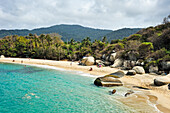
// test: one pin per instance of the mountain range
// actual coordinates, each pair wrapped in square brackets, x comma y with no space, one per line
[76,32]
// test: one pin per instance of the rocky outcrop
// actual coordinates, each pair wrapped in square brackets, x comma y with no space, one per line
[88,61]
[112,57]
[153,69]
[126,63]
[117,63]
[140,62]
[2,56]
[107,63]
[162,81]
[103,56]
[117,74]
[107,82]
[166,65]
[132,55]
[107,58]
[139,70]
[131,72]
[99,62]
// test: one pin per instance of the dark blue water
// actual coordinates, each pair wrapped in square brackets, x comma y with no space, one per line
[33,89]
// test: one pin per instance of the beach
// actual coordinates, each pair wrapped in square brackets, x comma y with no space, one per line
[158,96]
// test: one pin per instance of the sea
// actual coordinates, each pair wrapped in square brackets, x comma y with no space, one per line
[47,89]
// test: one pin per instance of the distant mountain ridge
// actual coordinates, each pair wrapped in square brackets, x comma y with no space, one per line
[76,32]
[121,33]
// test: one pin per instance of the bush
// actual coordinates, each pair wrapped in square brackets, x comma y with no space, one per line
[158,54]
[145,48]
[134,37]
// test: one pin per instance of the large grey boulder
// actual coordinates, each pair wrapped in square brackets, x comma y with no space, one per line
[88,61]
[139,70]
[131,72]
[117,63]
[112,57]
[153,69]
[161,81]
[107,82]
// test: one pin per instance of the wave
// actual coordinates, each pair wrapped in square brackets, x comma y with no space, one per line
[61,69]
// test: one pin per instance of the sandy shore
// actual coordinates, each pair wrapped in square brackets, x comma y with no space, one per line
[159,96]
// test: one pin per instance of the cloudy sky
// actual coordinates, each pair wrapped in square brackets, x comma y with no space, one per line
[105,14]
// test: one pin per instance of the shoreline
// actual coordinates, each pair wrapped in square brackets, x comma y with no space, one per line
[156,95]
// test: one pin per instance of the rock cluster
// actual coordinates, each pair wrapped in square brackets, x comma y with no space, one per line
[110,80]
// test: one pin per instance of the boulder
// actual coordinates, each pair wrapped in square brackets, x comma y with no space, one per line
[161,81]
[117,74]
[117,63]
[99,62]
[2,56]
[103,56]
[112,57]
[133,63]
[140,62]
[126,63]
[139,70]
[131,72]
[106,63]
[107,58]
[153,69]
[107,82]
[166,65]
[88,61]
[132,55]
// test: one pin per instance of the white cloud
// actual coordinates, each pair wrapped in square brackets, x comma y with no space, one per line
[109,14]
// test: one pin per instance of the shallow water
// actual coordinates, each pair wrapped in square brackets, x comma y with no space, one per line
[34,89]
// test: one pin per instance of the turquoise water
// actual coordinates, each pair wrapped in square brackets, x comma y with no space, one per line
[33,89]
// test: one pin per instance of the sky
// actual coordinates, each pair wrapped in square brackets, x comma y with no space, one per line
[102,14]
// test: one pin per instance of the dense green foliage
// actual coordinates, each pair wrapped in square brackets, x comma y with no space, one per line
[122,33]
[74,31]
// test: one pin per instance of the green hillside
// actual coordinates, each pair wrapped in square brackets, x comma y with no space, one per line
[121,33]
[76,32]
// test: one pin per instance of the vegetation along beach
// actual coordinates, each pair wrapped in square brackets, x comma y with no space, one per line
[120,63]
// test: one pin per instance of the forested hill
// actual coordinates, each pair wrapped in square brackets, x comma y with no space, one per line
[121,33]
[76,32]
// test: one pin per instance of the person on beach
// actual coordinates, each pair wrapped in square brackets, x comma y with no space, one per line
[91,69]
[21,61]
[13,60]
[114,91]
